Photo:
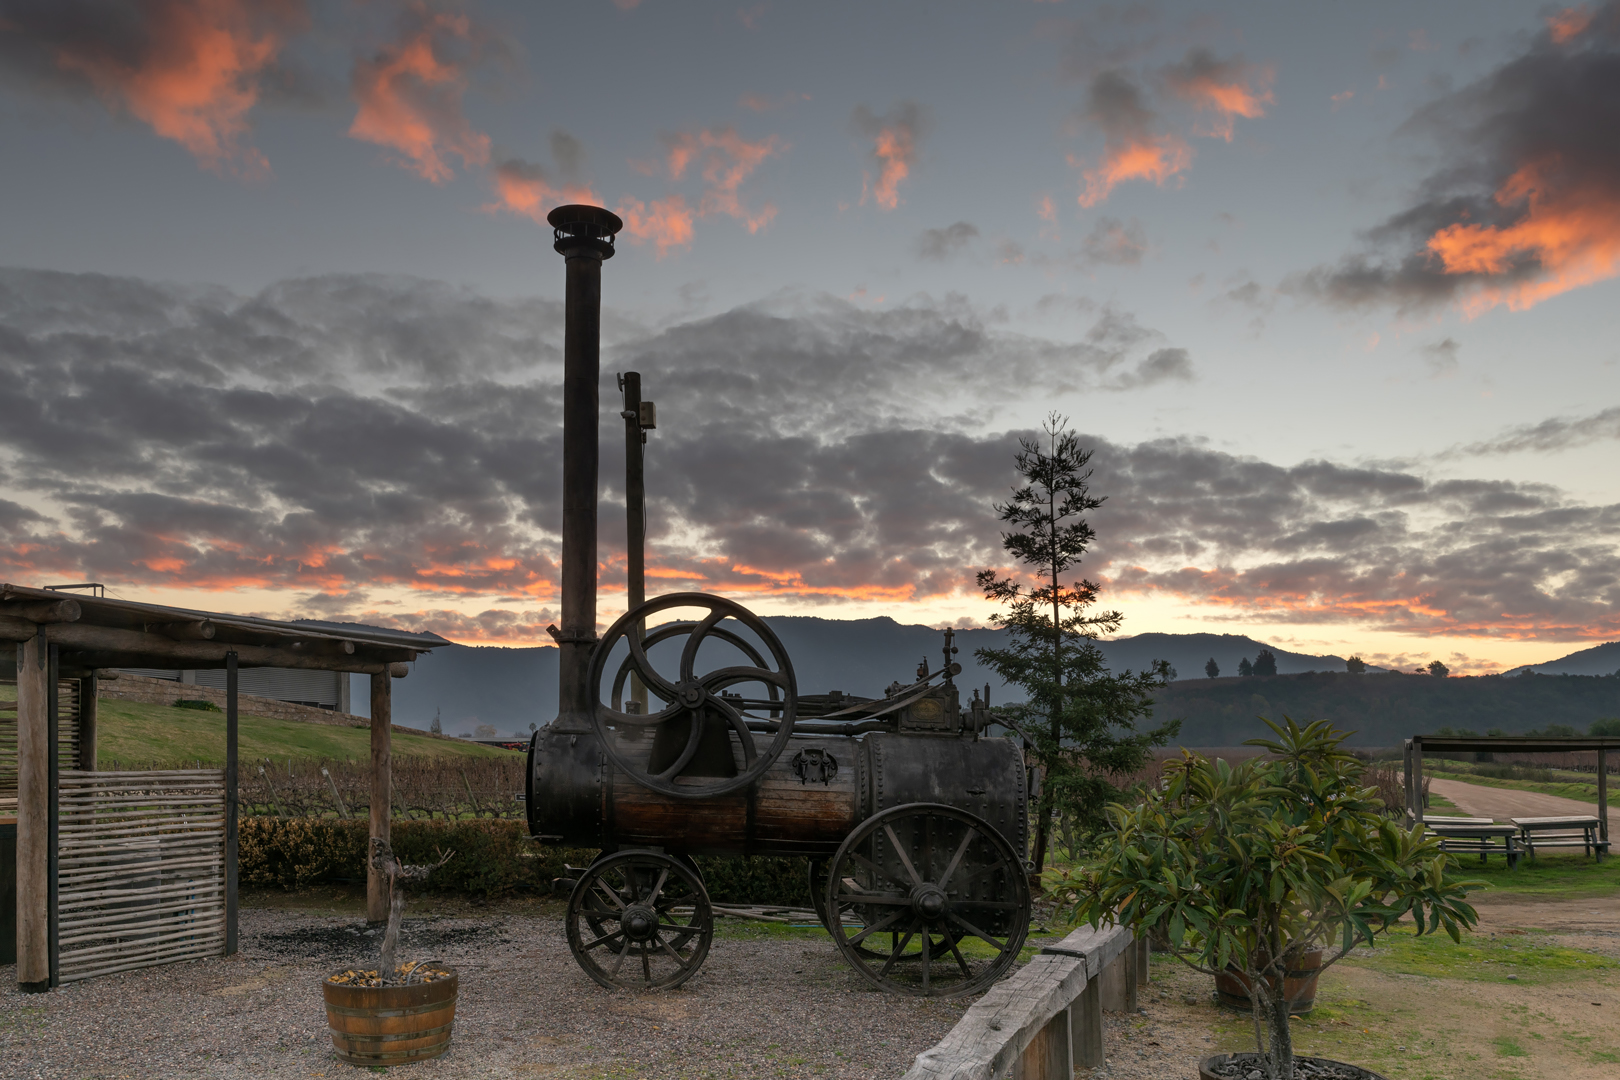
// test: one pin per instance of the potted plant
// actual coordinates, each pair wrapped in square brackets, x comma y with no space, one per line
[400,1012]
[1249,868]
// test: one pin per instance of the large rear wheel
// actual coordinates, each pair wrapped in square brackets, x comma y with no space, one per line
[927,900]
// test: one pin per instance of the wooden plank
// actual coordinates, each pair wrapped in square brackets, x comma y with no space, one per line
[188,951]
[994,1033]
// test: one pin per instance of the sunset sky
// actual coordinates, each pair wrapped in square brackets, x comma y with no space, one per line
[1331,289]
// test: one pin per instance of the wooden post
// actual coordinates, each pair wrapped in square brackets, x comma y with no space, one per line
[1417,775]
[1113,983]
[33,818]
[1128,958]
[88,689]
[1603,797]
[53,715]
[1086,1024]
[1406,776]
[231,808]
[381,793]
[1049,1055]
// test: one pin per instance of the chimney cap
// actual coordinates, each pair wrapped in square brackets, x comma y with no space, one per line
[580,219]
[582,231]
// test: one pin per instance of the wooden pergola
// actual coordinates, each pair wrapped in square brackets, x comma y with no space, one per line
[73,637]
[1507,744]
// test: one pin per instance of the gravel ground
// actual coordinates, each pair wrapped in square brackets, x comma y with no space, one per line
[764,1005]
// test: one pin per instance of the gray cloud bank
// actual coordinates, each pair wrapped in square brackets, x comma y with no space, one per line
[334,435]
[1523,203]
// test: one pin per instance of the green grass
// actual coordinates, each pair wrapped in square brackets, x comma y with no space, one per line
[1580,792]
[1438,801]
[137,735]
[1561,876]
[1529,957]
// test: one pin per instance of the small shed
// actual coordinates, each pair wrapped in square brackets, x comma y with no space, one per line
[62,642]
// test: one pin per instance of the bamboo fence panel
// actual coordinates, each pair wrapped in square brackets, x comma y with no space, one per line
[141,878]
[67,734]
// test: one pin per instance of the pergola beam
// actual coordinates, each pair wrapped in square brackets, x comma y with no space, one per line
[109,646]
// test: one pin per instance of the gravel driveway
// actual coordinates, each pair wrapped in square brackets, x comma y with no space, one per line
[764,1005]
[1504,803]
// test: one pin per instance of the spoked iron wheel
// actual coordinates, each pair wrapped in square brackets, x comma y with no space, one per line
[698,744]
[941,899]
[639,920]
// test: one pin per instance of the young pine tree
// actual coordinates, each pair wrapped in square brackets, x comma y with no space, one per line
[1212,669]
[1080,716]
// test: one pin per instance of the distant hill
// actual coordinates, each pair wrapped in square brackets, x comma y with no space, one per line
[512,688]
[1384,709]
[1599,660]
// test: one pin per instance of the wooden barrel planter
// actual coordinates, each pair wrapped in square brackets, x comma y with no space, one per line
[1232,986]
[390,1025]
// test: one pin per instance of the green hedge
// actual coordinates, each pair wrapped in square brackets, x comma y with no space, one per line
[491,858]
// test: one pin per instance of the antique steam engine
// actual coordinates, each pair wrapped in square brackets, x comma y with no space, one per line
[914,822]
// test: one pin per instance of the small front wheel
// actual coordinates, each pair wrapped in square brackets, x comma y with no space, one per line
[640,920]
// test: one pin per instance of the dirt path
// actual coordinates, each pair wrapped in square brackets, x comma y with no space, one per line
[1503,803]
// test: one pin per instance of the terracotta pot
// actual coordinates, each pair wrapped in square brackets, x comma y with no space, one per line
[1232,986]
[1207,1065]
[391,1025]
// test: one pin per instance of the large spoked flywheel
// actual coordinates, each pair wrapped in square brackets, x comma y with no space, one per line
[927,900]
[696,743]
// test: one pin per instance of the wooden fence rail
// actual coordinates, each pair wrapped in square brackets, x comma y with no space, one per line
[141,871]
[1045,1020]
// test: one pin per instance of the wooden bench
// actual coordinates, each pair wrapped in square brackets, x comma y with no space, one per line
[1485,839]
[1576,831]
[1441,819]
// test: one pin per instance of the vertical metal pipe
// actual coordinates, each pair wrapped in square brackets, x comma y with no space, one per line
[635,515]
[584,237]
[53,714]
[231,808]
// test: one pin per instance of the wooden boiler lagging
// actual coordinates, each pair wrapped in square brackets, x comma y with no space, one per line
[578,797]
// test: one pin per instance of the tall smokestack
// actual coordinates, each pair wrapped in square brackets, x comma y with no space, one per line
[584,237]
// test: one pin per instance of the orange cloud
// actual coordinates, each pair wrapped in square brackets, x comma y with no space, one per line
[896,149]
[728,160]
[198,79]
[894,144]
[410,97]
[1156,159]
[1226,88]
[524,189]
[1570,235]
[1568,24]
[666,223]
